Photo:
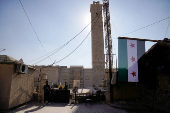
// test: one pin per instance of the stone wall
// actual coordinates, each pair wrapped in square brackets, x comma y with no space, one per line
[64,76]
[88,78]
[125,91]
[98,57]
[76,73]
[51,72]
[158,98]
[61,75]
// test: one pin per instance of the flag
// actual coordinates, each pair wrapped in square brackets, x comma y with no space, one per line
[129,51]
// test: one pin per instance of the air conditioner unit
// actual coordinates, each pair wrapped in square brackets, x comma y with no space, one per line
[21,68]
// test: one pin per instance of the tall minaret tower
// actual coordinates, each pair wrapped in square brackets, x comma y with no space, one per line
[98,58]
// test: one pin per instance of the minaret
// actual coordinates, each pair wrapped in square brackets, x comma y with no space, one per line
[98,58]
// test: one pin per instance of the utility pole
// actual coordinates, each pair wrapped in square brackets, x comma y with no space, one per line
[110,70]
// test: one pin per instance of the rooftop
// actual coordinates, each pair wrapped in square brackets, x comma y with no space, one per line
[7,59]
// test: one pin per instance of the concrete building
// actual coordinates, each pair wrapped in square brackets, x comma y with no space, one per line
[61,74]
[16,86]
[84,77]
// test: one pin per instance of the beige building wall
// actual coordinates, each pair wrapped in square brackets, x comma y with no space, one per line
[22,86]
[88,78]
[51,72]
[6,72]
[76,73]
[15,88]
[64,76]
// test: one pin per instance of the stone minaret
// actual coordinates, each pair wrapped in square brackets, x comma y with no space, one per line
[98,58]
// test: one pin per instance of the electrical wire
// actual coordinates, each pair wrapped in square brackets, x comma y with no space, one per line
[79,57]
[80,43]
[76,47]
[167,29]
[114,26]
[46,54]
[145,26]
[56,50]
[33,28]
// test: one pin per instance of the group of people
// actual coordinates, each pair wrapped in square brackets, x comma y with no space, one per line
[47,90]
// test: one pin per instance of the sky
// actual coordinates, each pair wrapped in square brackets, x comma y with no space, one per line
[57,21]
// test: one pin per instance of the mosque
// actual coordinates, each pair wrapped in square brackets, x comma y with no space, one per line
[77,75]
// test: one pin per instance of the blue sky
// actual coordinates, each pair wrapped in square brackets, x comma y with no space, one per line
[57,21]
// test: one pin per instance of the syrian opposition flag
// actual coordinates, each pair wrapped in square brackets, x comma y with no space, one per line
[129,51]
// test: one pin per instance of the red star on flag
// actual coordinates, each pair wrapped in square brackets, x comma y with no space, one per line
[132,45]
[133,59]
[134,73]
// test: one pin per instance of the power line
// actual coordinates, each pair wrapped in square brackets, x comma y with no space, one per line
[167,29]
[33,27]
[56,50]
[76,47]
[145,26]
[45,54]
[114,26]
[51,54]
[79,57]
[80,43]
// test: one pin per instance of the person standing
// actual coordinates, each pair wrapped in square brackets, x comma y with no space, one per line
[66,86]
[46,92]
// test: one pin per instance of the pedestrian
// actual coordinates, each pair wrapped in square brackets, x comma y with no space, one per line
[66,86]
[46,92]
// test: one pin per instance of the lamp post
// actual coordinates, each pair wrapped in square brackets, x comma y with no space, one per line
[2,50]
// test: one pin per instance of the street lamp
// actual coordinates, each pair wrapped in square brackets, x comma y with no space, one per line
[2,50]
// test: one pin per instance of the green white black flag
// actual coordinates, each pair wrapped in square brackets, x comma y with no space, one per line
[129,51]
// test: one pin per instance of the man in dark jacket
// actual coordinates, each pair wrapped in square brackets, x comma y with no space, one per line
[46,92]
[66,86]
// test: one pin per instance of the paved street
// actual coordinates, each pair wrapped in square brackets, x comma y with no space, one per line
[37,107]
[65,108]
[116,107]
